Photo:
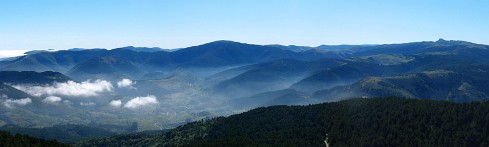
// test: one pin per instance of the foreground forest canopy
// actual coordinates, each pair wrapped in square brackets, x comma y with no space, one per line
[357,122]
[9,140]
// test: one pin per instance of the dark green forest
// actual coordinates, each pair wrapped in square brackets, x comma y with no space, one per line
[9,140]
[62,133]
[356,122]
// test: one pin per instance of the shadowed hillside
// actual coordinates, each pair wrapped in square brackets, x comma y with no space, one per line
[356,122]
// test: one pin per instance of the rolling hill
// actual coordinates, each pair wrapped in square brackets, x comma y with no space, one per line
[270,76]
[31,77]
[210,55]
[460,84]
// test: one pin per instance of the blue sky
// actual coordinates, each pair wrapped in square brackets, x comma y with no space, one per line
[63,24]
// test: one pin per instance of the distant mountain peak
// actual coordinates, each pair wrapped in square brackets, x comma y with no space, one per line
[224,42]
[441,40]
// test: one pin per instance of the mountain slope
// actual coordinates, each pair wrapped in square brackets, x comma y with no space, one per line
[397,59]
[425,47]
[28,78]
[224,53]
[106,67]
[7,139]
[269,76]
[356,122]
[210,55]
[339,75]
[458,83]
[60,61]
[62,133]
[31,77]
[7,91]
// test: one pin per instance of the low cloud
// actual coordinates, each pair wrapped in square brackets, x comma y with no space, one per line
[125,83]
[70,88]
[87,104]
[52,99]
[115,103]
[20,102]
[12,53]
[141,101]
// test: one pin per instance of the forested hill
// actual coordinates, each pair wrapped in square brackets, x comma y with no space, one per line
[8,140]
[355,122]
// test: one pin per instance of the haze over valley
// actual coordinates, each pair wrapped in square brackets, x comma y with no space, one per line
[244,73]
[161,89]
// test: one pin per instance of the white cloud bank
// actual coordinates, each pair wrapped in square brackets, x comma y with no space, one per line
[52,99]
[12,53]
[125,83]
[115,103]
[141,101]
[70,88]
[21,102]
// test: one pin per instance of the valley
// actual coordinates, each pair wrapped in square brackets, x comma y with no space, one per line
[93,93]
[221,73]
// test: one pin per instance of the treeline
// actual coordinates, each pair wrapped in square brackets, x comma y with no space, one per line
[355,122]
[133,139]
[9,140]
[63,133]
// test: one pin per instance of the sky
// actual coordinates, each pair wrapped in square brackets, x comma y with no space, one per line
[64,24]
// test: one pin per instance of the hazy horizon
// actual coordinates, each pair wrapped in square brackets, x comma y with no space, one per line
[21,52]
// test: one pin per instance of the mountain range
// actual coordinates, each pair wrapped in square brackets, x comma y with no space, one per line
[159,89]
